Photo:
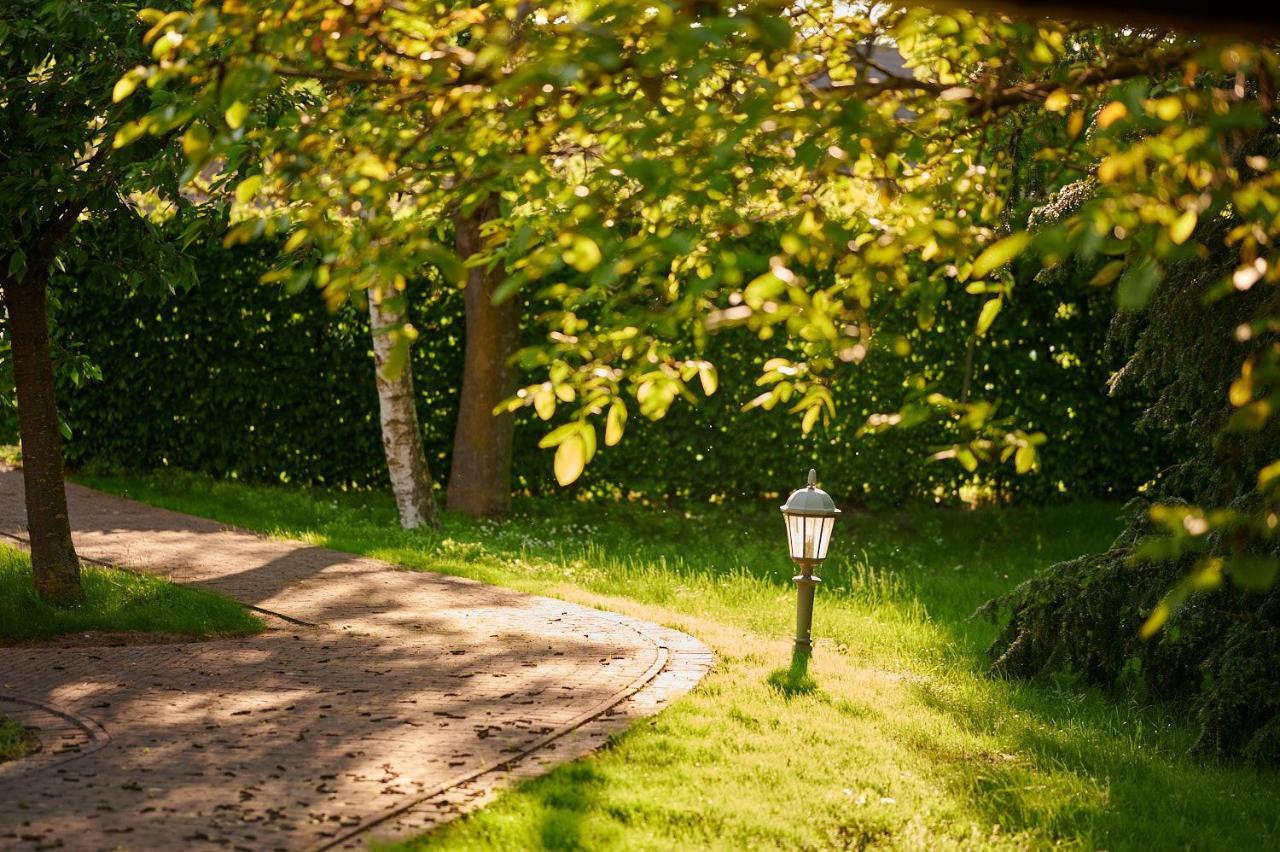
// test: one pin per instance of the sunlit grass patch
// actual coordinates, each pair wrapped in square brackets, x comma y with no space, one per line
[115,602]
[892,736]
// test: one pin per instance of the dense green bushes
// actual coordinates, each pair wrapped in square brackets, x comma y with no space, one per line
[239,379]
[1218,656]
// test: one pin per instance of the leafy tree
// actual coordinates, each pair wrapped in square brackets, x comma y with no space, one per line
[638,146]
[66,189]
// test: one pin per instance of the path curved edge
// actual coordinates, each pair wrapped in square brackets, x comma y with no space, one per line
[64,736]
[682,663]
[374,641]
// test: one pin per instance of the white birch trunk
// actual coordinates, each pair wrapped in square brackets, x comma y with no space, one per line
[401,438]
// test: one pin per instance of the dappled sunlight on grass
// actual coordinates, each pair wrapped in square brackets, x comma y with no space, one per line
[891,735]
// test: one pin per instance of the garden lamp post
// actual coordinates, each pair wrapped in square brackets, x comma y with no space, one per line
[810,513]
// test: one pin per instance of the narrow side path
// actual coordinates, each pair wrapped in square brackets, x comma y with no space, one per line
[412,698]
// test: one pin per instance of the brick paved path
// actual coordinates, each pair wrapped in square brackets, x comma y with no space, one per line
[406,698]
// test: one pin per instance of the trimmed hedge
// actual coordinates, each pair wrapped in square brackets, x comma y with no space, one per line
[234,378]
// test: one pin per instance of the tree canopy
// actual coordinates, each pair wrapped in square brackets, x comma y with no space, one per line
[635,147]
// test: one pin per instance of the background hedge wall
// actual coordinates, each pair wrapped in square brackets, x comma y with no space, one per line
[238,379]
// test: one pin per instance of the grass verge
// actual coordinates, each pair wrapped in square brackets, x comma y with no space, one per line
[890,736]
[115,602]
[15,742]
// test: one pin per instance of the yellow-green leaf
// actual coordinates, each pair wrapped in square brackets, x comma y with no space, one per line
[129,132]
[987,316]
[707,375]
[236,115]
[1155,621]
[1180,230]
[245,191]
[1075,124]
[397,357]
[1268,474]
[559,435]
[1058,101]
[195,142]
[544,402]
[810,418]
[570,459]
[1024,460]
[1111,113]
[999,253]
[583,254]
[615,422]
[125,86]
[296,240]
[1108,273]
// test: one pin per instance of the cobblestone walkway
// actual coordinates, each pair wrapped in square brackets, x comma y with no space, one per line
[391,702]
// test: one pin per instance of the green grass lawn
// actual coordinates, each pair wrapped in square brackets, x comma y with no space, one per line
[115,602]
[902,742]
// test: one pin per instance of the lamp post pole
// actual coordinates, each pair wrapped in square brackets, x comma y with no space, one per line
[810,514]
[806,585]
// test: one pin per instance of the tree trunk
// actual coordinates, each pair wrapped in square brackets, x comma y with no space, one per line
[53,556]
[480,480]
[401,437]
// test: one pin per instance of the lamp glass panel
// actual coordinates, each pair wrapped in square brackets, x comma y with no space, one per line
[795,536]
[824,536]
[811,528]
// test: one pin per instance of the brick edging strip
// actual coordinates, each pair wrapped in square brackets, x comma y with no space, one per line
[698,658]
[96,734]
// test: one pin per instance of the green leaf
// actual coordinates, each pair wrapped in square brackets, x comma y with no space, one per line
[296,240]
[125,86]
[583,254]
[247,188]
[544,402]
[448,264]
[558,435]
[130,132]
[707,375]
[810,418]
[1138,283]
[987,316]
[1024,460]
[1180,230]
[1155,620]
[570,459]
[236,115]
[196,141]
[1057,101]
[1269,474]
[1108,273]
[17,264]
[999,253]
[615,423]
[397,357]
[1255,573]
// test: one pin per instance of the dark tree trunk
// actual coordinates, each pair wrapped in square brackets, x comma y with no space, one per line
[57,570]
[480,480]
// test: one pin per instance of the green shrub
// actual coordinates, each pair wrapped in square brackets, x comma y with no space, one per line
[238,379]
